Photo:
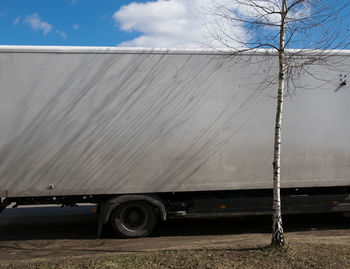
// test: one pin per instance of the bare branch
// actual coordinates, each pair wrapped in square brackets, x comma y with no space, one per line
[298,32]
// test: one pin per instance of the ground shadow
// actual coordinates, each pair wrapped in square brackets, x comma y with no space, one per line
[85,226]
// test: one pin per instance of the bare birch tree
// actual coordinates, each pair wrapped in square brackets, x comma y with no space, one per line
[300,32]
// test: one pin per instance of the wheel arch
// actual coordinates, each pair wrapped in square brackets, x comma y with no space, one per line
[105,208]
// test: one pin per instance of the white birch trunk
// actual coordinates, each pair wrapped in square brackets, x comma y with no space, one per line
[277,229]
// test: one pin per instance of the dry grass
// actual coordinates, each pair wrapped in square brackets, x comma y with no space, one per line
[300,255]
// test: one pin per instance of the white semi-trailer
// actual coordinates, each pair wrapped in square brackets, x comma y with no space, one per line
[175,133]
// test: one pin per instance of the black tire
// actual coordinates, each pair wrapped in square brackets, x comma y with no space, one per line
[133,219]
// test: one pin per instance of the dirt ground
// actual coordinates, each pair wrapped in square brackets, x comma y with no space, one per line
[40,237]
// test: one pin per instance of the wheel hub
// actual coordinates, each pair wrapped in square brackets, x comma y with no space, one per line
[134,216]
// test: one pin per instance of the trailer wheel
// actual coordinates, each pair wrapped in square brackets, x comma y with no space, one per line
[133,219]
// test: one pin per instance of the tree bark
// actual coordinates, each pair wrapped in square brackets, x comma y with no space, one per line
[277,228]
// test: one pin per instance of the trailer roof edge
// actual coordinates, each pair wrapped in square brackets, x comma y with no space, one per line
[149,50]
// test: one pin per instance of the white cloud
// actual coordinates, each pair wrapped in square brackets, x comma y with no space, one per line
[62,34]
[174,23]
[36,23]
[201,23]
[76,26]
[17,20]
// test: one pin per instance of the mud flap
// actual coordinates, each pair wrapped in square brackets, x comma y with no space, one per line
[100,221]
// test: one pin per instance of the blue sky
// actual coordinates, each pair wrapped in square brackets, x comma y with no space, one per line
[81,22]
[142,23]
